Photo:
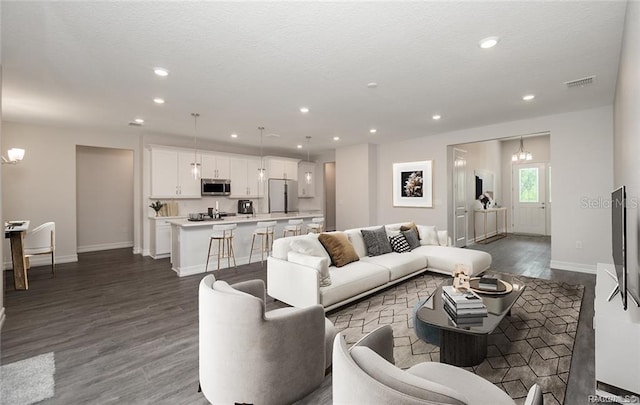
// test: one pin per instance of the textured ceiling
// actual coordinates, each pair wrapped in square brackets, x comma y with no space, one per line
[247,64]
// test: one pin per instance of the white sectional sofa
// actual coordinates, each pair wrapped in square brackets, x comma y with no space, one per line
[297,279]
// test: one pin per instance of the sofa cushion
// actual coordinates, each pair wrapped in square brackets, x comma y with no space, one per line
[412,238]
[399,244]
[310,245]
[376,241]
[469,385]
[399,264]
[356,239]
[443,238]
[411,227]
[443,259]
[339,248]
[319,264]
[411,385]
[428,235]
[351,280]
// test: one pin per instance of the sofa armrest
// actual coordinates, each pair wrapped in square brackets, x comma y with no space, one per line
[292,283]
[253,287]
[380,340]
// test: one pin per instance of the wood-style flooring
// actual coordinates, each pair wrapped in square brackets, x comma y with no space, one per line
[124,328]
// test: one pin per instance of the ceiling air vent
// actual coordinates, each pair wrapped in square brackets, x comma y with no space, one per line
[135,124]
[585,81]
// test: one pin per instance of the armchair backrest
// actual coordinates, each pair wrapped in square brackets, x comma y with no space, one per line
[43,236]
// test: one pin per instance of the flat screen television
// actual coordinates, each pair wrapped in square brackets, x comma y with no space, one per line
[619,241]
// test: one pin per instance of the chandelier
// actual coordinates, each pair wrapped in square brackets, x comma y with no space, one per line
[520,154]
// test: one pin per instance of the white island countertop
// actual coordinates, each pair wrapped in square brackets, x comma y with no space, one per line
[242,218]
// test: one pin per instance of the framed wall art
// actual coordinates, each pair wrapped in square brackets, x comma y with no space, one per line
[413,184]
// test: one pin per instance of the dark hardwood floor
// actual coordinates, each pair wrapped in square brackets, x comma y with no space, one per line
[124,328]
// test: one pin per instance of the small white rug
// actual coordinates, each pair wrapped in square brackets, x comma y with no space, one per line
[28,381]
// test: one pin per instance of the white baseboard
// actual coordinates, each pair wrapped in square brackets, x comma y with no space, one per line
[44,260]
[2,318]
[104,246]
[579,267]
[146,252]
[213,265]
[137,250]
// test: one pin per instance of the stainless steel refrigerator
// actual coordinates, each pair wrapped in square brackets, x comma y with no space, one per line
[283,195]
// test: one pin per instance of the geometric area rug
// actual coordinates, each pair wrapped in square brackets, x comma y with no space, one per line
[532,345]
[28,381]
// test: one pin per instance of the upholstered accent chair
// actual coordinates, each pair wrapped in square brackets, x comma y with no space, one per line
[251,356]
[365,374]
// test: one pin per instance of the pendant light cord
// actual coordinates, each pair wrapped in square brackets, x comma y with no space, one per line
[195,136]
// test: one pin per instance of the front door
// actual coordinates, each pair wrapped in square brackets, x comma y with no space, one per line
[529,198]
[459,198]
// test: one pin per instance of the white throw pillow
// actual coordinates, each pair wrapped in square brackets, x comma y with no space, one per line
[428,235]
[309,245]
[443,238]
[320,264]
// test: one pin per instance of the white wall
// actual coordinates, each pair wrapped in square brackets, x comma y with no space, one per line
[584,140]
[627,135]
[43,186]
[104,181]
[356,188]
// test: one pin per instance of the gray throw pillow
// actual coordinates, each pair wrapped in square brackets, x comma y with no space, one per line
[376,241]
[412,238]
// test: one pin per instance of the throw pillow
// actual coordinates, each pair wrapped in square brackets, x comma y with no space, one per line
[443,238]
[309,245]
[428,235]
[411,226]
[376,241]
[399,243]
[339,248]
[412,238]
[319,264]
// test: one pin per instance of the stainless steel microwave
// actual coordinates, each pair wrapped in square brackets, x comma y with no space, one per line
[215,186]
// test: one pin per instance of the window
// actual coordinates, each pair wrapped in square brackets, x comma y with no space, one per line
[528,179]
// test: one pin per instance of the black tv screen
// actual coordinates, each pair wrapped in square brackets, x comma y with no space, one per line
[619,239]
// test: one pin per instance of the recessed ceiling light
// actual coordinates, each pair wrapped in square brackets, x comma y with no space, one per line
[234,135]
[372,85]
[139,120]
[436,117]
[299,146]
[373,131]
[528,97]
[304,110]
[158,100]
[161,72]
[336,138]
[488,42]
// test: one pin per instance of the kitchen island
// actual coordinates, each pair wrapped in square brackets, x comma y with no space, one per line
[190,240]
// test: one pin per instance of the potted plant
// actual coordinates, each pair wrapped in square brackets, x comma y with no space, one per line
[157,206]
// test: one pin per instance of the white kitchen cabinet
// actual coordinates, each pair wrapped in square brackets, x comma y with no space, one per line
[160,238]
[171,174]
[215,166]
[244,178]
[283,168]
[306,190]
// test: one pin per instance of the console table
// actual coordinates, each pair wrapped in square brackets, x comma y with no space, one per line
[485,213]
[15,231]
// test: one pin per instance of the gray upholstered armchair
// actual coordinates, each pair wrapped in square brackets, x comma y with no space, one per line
[251,356]
[365,374]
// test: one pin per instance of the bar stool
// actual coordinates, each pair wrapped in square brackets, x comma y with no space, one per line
[224,235]
[316,225]
[294,228]
[265,231]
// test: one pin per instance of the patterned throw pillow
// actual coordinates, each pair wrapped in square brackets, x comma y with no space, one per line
[376,241]
[399,244]
[412,238]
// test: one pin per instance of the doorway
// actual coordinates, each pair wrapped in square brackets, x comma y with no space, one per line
[330,196]
[104,198]
[459,197]
[529,197]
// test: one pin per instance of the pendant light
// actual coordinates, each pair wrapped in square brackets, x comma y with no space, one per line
[195,166]
[308,175]
[520,154]
[261,169]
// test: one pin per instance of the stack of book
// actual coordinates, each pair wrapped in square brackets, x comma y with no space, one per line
[465,308]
